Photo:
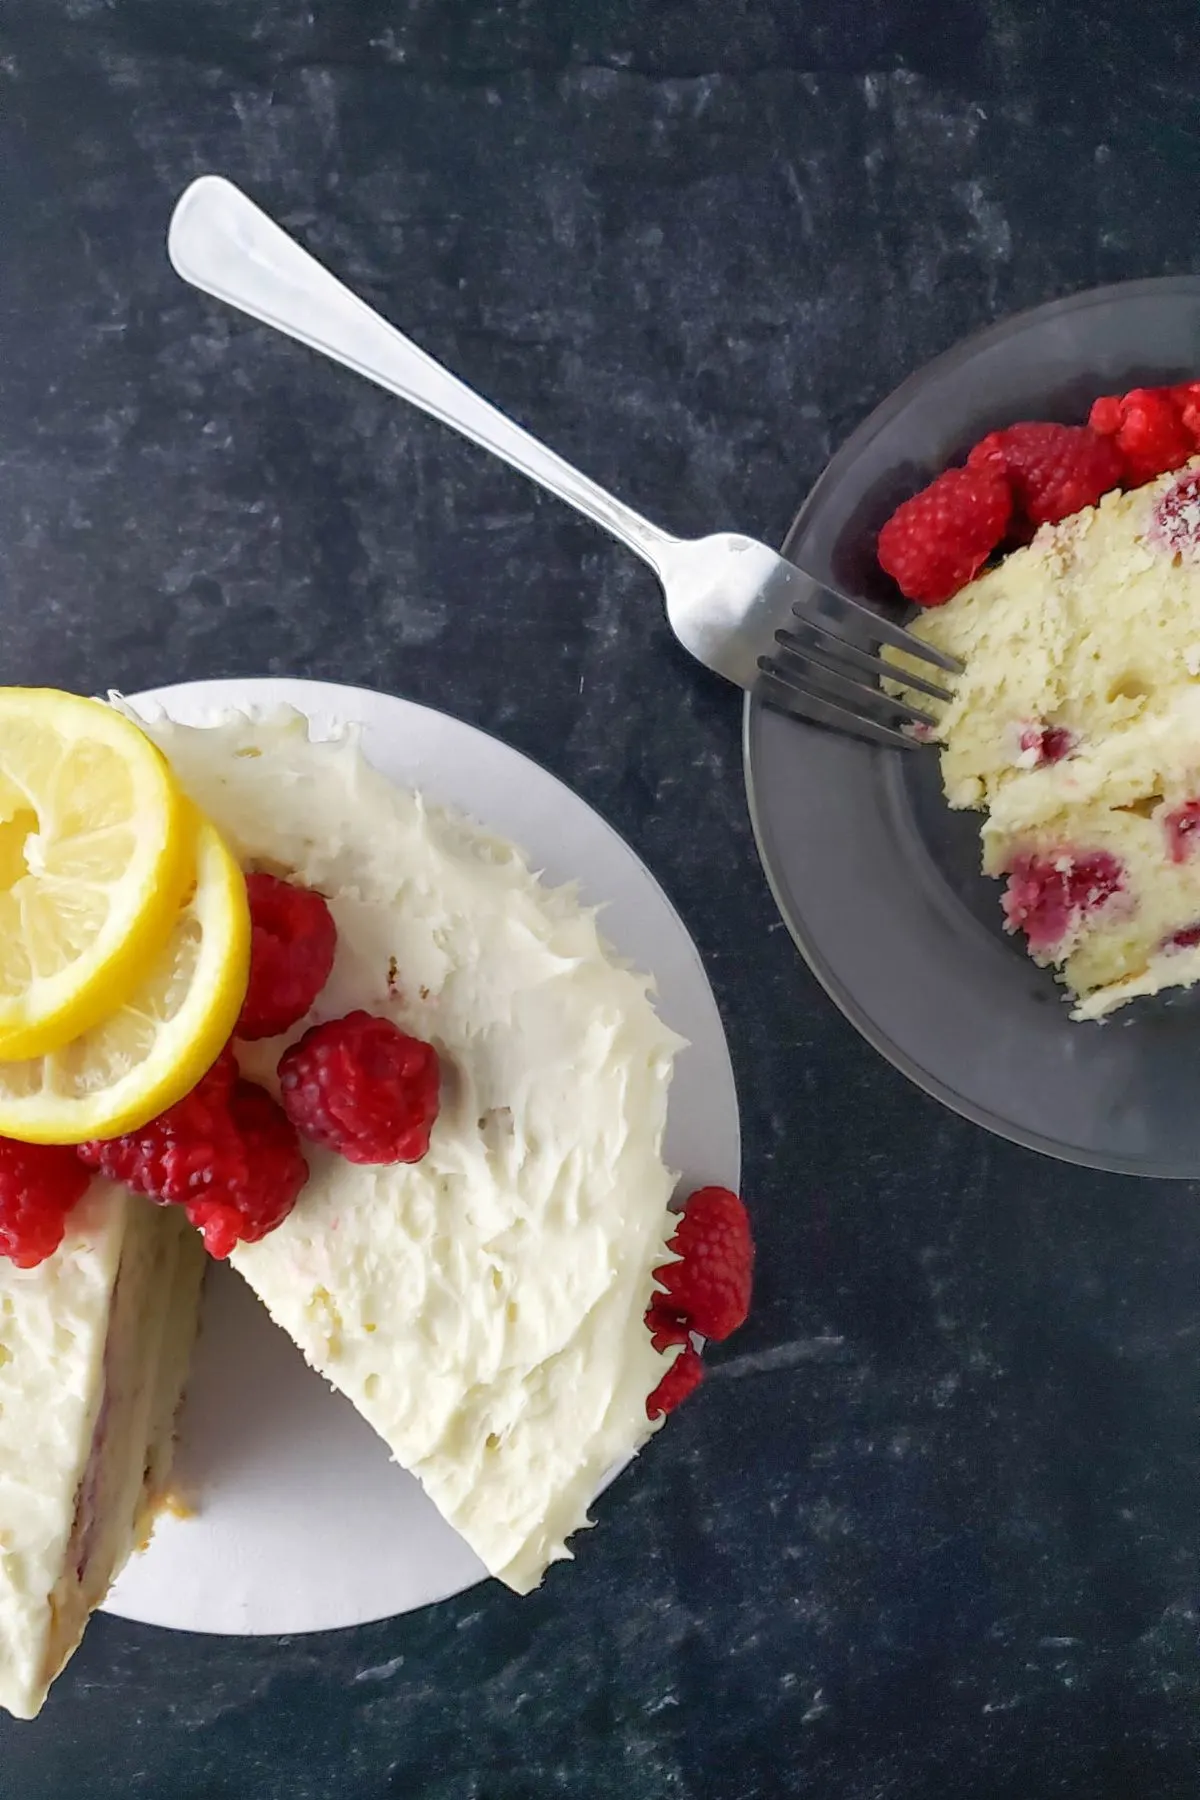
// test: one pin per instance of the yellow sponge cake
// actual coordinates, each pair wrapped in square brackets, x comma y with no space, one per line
[1076,727]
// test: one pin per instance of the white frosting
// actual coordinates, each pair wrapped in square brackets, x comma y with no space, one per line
[483,1309]
[53,1328]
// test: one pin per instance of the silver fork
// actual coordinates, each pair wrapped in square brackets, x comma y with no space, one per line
[735,604]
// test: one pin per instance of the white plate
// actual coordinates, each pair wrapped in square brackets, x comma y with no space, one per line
[302,1522]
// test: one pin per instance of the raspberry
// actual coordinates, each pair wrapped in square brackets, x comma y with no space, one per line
[361,1086]
[1053,470]
[1175,527]
[39,1184]
[1147,428]
[1106,415]
[681,1379]
[1186,397]
[1181,826]
[225,1153]
[252,1193]
[1187,939]
[1048,897]
[665,1327]
[184,1150]
[292,944]
[936,542]
[708,1289]
[1046,744]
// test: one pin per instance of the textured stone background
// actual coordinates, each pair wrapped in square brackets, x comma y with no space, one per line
[930,1529]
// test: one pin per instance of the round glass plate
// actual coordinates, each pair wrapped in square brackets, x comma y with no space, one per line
[877,880]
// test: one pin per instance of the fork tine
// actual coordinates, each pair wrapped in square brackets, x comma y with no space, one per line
[877,627]
[864,697]
[846,651]
[817,711]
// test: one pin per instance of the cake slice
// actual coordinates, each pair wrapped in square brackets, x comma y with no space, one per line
[1076,727]
[482,1308]
[94,1347]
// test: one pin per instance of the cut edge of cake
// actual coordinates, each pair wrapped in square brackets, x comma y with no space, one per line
[94,1350]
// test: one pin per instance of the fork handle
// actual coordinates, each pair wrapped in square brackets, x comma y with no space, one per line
[220,242]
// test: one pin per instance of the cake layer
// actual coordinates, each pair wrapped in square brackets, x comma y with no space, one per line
[1127,798]
[1092,627]
[483,1308]
[93,1351]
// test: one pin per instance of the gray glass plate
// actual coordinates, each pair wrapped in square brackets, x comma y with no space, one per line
[877,880]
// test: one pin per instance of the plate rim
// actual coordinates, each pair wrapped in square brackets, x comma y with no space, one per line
[753,708]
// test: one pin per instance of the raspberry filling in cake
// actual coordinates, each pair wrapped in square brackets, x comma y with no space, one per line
[1052,898]
[1040,744]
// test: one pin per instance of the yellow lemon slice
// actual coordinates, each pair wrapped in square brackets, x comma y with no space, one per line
[94,849]
[158,1043]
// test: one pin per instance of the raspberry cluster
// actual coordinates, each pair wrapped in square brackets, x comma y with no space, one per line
[39,1184]
[1030,474]
[707,1290]
[228,1152]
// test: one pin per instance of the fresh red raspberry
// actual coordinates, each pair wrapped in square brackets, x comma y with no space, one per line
[1049,743]
[1148,431]
[936,542]
[1186,396]
[1181,826]
[248,1196]
[1049,896]
[363,1087]
[1175,526]
[182,1152]
[225,1152]
[681,1379]
[665,1327]
[39,1184]
[1106,415]
[708,1289]
[292,944]
[1053,470]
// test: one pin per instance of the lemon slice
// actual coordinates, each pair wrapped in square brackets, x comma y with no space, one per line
[93,860]
[161,1039]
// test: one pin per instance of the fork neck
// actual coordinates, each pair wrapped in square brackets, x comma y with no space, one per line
[604,509]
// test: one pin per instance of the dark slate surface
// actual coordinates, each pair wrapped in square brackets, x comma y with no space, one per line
[931,1527]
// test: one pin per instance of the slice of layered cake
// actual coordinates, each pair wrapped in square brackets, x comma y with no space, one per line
[94,1348]
[1076,728]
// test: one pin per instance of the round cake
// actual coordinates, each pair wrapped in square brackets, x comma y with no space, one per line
[483,1308]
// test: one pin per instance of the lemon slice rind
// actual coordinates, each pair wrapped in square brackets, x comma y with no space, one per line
[53,747]
[155,1047]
